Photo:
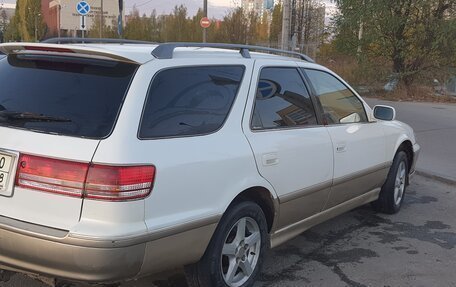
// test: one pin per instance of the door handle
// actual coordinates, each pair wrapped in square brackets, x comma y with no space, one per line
[341,147]
[270,159]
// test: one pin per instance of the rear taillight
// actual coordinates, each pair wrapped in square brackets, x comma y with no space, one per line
[100,182]
[51,175]
[117,183]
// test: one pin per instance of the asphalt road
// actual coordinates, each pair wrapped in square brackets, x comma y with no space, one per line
[435,129]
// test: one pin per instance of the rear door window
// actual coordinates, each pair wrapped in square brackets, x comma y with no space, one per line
[189,101]
[282,100]
[62,95]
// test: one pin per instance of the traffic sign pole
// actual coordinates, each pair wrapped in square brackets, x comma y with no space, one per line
[83,25]
[205,16]
[83,8]
[205,23]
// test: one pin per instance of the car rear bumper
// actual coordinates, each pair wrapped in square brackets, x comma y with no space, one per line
[54,253]
[51,258]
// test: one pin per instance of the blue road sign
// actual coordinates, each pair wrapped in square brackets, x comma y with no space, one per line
[83,8]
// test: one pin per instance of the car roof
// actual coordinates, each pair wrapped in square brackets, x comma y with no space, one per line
[141,53]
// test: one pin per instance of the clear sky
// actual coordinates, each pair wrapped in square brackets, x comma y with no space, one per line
[217,8]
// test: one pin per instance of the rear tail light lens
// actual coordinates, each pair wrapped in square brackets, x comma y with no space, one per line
[119,183]
[100,182]
[51,175]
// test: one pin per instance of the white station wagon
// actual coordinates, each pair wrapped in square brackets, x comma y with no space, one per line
[121,159]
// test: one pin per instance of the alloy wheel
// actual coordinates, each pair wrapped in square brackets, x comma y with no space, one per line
[241,251]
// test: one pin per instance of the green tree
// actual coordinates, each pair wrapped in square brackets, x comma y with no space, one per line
[416,36]
[234,27]
[109,31]
[154,27]
[195,31]
[3,24]
[138,27]
[32,26]
[27,23]
[12,33]
[177,25]
[253,23]
[263,28]
[276,24]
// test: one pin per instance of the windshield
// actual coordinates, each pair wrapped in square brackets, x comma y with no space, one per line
[62,95]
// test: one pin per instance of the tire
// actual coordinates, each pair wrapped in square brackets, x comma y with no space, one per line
[393,191]
[214,267]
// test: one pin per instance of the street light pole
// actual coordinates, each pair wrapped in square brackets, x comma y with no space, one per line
[36,31]
[59,11]
[35,16]
[285,41]
[36,25]
[101,19]
[205,15]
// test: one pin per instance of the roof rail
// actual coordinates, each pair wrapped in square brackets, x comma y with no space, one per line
[75,40]
[166,50]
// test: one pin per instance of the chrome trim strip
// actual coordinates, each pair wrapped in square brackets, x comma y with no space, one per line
[358,174]
[30,229]
[293,230]
[81,240]
[320,186]
[66,237]
[305,191]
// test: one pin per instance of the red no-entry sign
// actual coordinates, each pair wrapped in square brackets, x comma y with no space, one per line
[205,22]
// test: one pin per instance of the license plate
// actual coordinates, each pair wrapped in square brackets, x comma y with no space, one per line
[6,163]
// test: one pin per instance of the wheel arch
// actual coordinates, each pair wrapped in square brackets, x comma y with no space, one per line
[407,147]
[264,198]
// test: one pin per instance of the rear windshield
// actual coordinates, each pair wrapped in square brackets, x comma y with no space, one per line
[70,96]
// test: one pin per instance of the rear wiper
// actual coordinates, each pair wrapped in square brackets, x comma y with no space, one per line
[6,116]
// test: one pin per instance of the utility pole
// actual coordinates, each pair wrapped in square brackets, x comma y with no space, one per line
[205,15]
[36,30]
[360,34]
[285,43]
[82,32]
[101,19]
[120,19]
[58,18]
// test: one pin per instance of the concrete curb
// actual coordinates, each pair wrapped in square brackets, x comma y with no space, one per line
[436,177]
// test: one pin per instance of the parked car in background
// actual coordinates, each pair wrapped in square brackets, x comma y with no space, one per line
[120,160]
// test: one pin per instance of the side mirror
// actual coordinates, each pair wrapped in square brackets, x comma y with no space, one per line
[384,113]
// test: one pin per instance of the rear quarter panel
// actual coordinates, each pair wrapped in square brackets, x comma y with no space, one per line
[61,212]
[197,177]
